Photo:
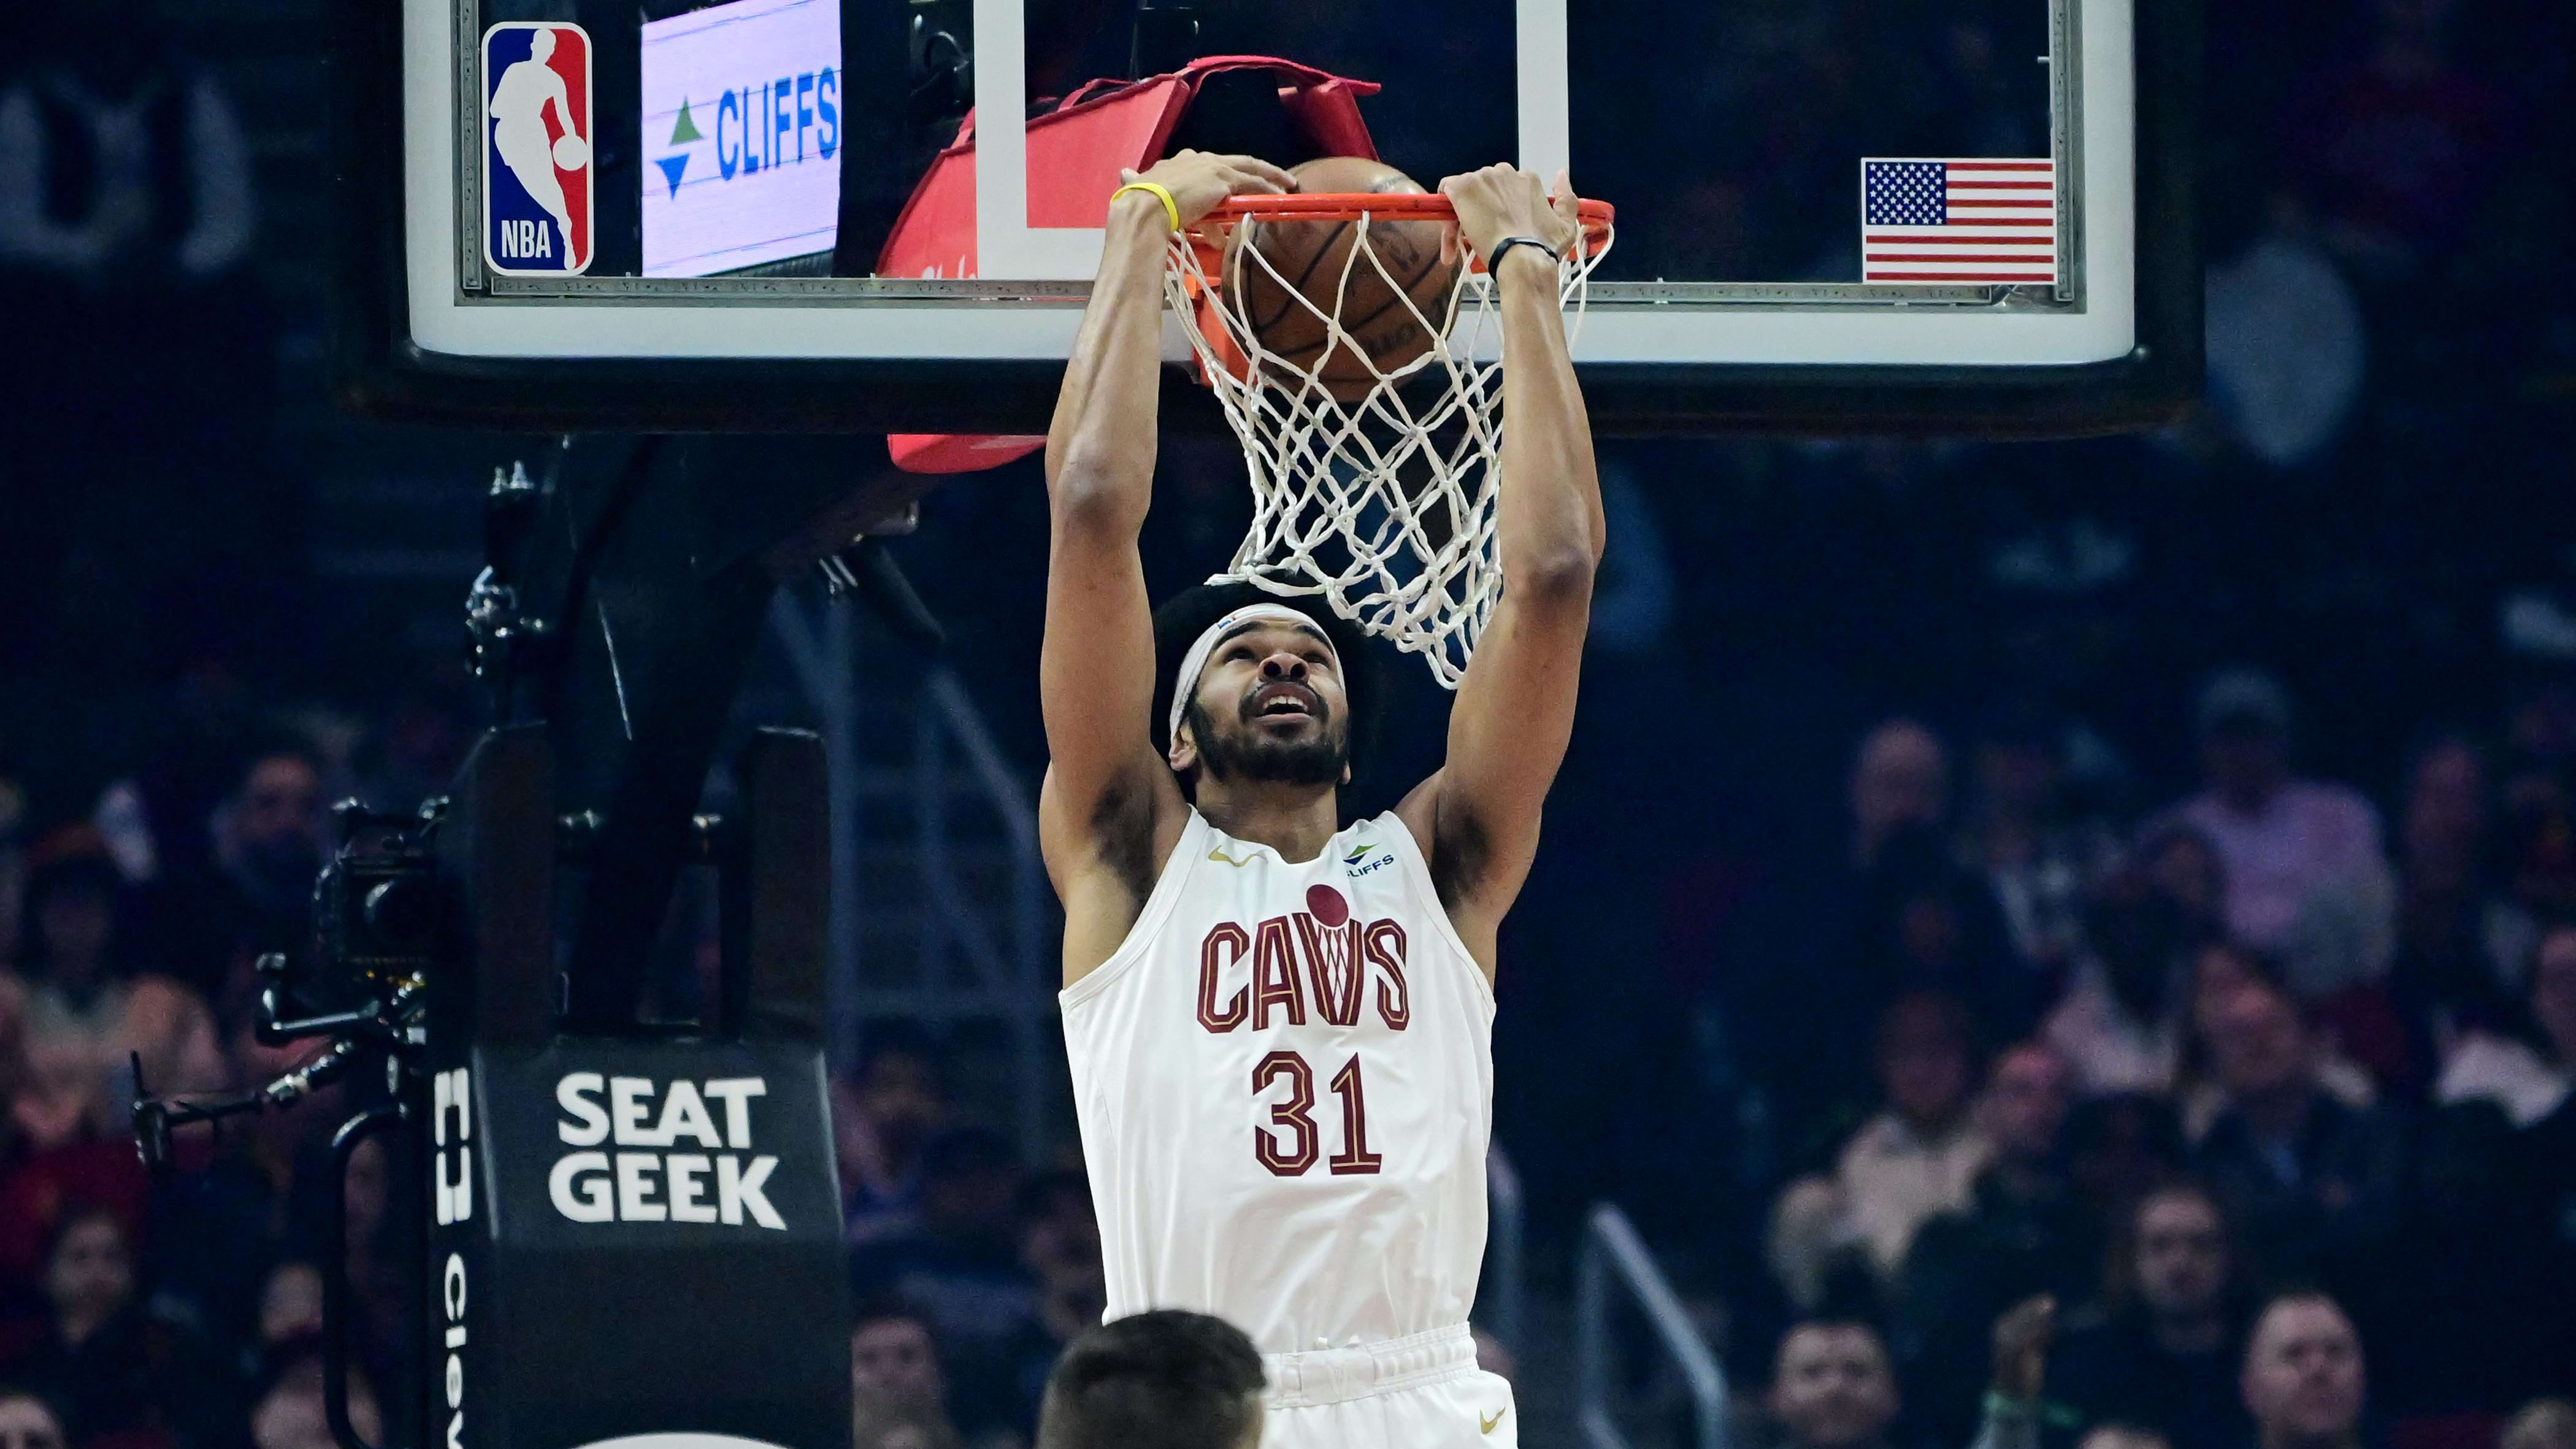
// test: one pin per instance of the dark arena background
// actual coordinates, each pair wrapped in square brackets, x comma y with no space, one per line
[2136,870]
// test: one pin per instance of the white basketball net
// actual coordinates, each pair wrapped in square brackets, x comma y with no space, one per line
[1383,503]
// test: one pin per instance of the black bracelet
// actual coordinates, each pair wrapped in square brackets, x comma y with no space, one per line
[1494,259]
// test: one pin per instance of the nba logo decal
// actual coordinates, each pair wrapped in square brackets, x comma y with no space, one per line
[536,149]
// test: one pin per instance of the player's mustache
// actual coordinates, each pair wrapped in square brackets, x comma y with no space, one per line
[1261,694]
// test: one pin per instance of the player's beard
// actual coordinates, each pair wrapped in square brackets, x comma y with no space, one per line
[1247,754]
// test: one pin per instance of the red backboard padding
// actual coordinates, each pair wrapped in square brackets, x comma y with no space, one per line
[1075,153]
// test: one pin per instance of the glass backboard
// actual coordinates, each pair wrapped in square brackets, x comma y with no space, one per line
[1865,212]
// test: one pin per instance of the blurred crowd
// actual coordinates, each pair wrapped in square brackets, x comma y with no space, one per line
[2249,1058]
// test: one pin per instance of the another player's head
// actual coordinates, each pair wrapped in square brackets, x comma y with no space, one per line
[1160,1380]
[1255,690]
[541,45]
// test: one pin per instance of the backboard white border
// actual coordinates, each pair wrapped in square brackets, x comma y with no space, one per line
[445,321]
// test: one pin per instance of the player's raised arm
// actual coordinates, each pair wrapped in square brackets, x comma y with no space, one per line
[1111,811]
[1508,729]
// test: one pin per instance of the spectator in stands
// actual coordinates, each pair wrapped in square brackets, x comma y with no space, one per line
[2523,1056]
[2160,1351]
[69,949]
[1899,780]
[85,992]
[892,1354]
[1929,924]
[61,1100]
[962,1266]
[2041,856]
[257,893]
[2302,858]
[2303,1379]
[27,1421]
[2119,1148]
[119,1372]
[2538,851]
[1060,1246]
[2312,1182]
[1917,1157]
[287,1408]
[881,1117]
[897,1386]
[2543,1178]
[1164,1379]
[2184,867]
[2445,979]
[1837,928]
[2024,1233]
[1832,1388]
[60,1147]
[290,1304]
[2120,1022]
[2219,970]
[2450,1315]
[263,1193]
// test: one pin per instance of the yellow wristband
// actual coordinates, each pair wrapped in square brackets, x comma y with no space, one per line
[1159,191]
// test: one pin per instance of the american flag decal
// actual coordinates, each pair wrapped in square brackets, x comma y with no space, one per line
[1958,221]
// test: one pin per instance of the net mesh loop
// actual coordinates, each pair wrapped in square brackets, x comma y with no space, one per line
[1380,500]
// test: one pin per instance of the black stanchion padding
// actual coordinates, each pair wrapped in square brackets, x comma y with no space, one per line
[497,851]
[659,1250]
[636,1234]
[776,892]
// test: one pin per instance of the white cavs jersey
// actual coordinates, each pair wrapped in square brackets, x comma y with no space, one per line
[1285,1082]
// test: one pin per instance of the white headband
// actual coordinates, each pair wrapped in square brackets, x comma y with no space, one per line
[1185,683]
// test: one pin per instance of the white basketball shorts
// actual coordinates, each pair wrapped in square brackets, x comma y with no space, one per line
[1420,1392]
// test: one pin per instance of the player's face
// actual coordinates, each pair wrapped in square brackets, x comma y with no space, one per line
[1271,708]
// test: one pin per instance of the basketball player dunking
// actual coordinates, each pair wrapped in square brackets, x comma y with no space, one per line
[1280,1030]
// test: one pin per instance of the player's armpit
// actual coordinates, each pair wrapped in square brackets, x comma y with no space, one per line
[1103,862]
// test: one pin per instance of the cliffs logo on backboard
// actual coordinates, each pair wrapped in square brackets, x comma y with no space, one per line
[726,1183]
[536,149]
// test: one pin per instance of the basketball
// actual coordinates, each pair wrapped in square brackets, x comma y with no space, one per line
[1419,260]
[572,152]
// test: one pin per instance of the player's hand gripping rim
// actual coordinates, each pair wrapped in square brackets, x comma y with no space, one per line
[1497,203]
[1198,180]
